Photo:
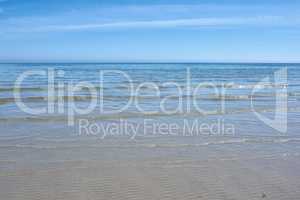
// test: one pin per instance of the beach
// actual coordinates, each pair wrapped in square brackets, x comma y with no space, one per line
[184,131]
[153,168]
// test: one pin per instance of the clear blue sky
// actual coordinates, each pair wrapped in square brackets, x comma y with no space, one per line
[156,31]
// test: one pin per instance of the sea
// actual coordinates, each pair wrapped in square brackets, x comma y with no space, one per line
[244,96]
[149,130]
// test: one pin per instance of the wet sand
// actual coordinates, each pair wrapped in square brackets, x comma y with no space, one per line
[87,168]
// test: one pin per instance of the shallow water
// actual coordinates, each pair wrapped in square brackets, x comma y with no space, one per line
[219,91]
[42,157]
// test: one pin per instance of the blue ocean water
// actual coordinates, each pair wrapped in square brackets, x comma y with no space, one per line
[214,94]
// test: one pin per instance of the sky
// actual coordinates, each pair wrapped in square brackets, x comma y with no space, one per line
[150,31]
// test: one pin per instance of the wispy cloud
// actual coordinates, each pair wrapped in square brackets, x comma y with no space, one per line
[198,22]
[148,16]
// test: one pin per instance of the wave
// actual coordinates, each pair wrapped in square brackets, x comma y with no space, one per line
[133,115]
[209,97]
[28,146]
[45,98]
[23,89]
[159,85]
[232,141]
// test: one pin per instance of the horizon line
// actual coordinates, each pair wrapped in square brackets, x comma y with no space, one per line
[155,62]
